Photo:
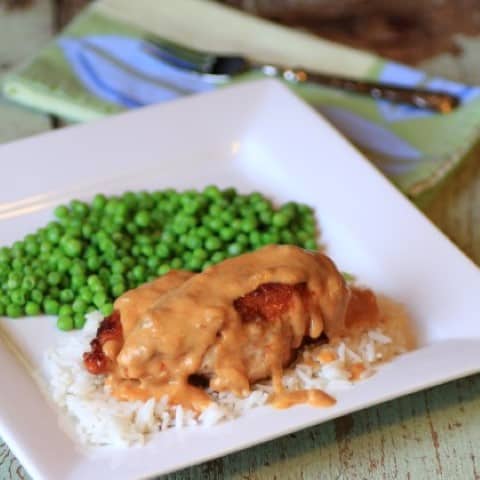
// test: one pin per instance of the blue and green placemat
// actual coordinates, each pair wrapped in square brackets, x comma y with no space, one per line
[99,66]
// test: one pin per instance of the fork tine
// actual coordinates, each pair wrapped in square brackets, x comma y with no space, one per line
[167,57]
[180,56]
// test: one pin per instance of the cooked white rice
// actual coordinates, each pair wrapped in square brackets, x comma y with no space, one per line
[100,419]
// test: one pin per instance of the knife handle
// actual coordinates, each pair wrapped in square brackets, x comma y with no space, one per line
[436,100]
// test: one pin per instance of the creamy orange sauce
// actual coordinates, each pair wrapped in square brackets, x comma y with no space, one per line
[184,324]
[313,397]
[326,356]
[356,371]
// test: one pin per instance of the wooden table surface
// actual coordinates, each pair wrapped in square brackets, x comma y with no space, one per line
[432,434]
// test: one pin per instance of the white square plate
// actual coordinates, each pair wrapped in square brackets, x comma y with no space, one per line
[254,136]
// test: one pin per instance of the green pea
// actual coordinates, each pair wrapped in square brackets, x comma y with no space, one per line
[99,299]
[5,254]
[18,265]
[128,261]
[118,289]
[18,297]
[215,224]
[79,321]
[32,248]
[181,227]
[14,281]
[131,228]
[50,306]
[94,281]
[227,216]
[310,244]
[193,241]
[249,224]
[115,278]
[242,239]
[308,228]
[279,219]
[139,273]
[213,243]
[54,233]
[304,209]
[206,265]
[79,306]
[255,238]
[63,264]
[14,311]
[18,249]
[29,282]
[77,282]
[266,217]
[94,262]
[87,230]
[200,253]
[176,263]
[66,295]
[234,249]
[104,274]
[65,322]
[153,263]
[72,247]
[142,218]
[194,264]
[46,246]
[61,212]
[36,296]
[143,239]
[3,271]
[80,209]
[236,225]
[203,232]
[147,250]
[163,269]
[54,278]
[287,237]
[86,294]
[65,310]
[106,309]
[99,201]
[32,309]
[118,266]
[269,238]
[42,285]
[106,246]
[217,257]
[230,193]
[162,250]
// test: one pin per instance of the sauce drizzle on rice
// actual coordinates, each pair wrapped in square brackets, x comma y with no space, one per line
[101,419]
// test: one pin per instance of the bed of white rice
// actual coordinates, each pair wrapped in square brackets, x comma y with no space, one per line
[100,419]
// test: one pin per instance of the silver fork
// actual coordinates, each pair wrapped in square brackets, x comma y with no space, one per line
[220,69]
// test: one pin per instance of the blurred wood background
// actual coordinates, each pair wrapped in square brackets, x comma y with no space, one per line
[407,30]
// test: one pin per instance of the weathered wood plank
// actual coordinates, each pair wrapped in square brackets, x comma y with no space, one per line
[431,434]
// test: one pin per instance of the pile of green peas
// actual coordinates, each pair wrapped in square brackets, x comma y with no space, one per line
[92,253]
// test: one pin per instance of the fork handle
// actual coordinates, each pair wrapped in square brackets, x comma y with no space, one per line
[436,100]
